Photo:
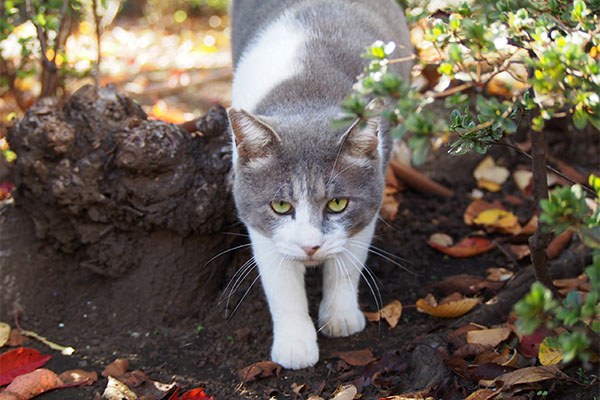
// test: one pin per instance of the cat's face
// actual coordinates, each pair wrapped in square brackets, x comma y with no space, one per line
[308,197]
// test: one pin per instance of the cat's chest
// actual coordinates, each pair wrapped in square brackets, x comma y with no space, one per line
[270,59]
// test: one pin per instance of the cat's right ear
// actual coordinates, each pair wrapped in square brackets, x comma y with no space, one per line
[253,137]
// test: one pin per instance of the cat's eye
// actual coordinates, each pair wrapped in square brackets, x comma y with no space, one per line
[337,205]
[281,207]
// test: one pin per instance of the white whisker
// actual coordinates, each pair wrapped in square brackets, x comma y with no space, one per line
[227,251]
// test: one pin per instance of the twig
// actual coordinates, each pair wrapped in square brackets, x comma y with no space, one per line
[48,67]
[539,241]
[98,34]
[550,167]
[61,27]
[417,180]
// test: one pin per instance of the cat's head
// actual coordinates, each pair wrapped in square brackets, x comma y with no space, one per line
[305,186]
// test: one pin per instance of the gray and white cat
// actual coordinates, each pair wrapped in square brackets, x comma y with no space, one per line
[309,194]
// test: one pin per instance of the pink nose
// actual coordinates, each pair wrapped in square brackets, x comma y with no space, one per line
[310,250]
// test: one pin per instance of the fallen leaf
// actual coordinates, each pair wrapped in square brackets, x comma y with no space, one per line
[549,355]
[492,356]
[466,284]
[391,313]
[529,345]
[76,377]
[558,244]
[499,274]
[261,369]
[519,251]
[441,239]
[345,393]
[529,228]
[390,178]
[468,247]
[18,362]
[6,189]
[116,390]
[459,337]
[524,181]
[356,358]
[448,310]
[482,394]
[16,339]
[194,394]
[489,337]
[470,350]
[298,388]
[498,220]
[31,384]
[389,204]
[477,207]
[579,283]
[531,375]
[489,371]
[489,175]
[116,368]
[4,333]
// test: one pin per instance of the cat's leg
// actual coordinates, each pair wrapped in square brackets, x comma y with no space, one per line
[294,335]
[339,312]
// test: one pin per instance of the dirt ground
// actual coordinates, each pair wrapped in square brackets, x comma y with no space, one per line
[208,349]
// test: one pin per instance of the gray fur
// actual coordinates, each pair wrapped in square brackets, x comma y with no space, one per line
[301,109]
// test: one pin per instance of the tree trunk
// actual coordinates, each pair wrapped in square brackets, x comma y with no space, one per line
[126,212]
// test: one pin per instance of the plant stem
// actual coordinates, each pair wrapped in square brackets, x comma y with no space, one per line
[539,241]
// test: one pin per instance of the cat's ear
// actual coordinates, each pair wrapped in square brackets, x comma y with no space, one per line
[253,137]
[361,139]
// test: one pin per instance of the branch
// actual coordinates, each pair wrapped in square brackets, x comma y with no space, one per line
[57,42]
[98,34]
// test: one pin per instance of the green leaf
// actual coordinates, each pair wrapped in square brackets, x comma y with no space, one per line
[580,118]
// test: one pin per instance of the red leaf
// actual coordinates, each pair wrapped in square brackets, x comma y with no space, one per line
[18,362]
[194,394]
[357,358]
[467,247]
[29,385]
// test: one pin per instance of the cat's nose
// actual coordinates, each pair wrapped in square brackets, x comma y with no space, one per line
[310,250]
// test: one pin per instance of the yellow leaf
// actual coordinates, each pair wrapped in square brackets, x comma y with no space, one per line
[4,333]
[549,355]
[391,313]
[491,186]
[500,220]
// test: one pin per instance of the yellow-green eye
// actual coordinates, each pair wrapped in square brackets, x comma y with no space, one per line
[337,205]
[281,207]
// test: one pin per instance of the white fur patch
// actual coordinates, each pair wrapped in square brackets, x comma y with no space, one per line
[269,60]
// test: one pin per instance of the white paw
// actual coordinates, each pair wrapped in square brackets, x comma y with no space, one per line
[295,345]
[343,322]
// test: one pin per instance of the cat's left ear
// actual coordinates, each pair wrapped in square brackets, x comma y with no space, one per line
[361,139]
[252,136]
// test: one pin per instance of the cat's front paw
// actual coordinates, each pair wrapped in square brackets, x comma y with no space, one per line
[342,322]
[295,345]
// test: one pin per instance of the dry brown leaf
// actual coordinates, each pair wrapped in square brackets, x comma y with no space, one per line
[4,333]
[459,337]
[470,350]
[449,310]
[392,313]
[356,358]
[519,251]
[260,369]
[489,337]
[482,394]
[389,204]
[345,393]
[499,274]
[116,390]
[531,375]
[29,385]
[558,244]
[16,339]
[579,283]
[78,376]
[492,356]
[390,178]
[529,228]
[116,368]
[298,388]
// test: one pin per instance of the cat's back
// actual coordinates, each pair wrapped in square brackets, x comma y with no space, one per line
[276,41]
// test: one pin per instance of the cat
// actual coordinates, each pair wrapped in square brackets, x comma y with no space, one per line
[309,194]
